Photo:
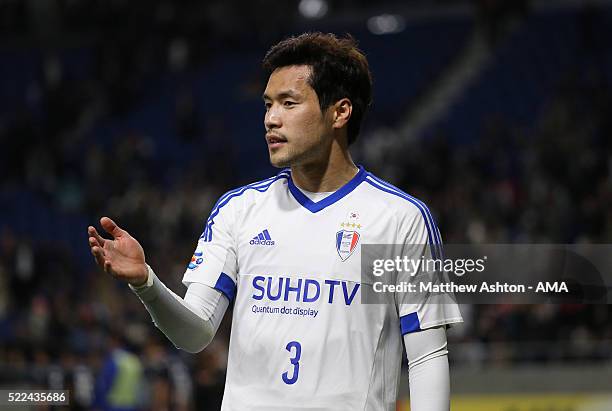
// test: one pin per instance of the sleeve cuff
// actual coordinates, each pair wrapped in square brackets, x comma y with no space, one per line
[146,288]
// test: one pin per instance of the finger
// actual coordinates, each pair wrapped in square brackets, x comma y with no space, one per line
[98,254]
[93,242]
[97,251]
[111,227]
[108,269]
[94,233]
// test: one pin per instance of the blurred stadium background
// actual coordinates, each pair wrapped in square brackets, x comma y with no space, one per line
[495,113]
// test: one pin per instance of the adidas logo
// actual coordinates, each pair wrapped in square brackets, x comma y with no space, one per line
[262,238]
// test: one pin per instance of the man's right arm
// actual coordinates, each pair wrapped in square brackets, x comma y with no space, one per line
[190,323]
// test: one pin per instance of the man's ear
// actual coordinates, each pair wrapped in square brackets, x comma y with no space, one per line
[342,111]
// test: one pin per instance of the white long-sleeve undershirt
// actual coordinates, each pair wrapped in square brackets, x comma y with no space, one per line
[428,369]
[192,322]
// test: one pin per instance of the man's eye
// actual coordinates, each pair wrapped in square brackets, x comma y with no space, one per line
[289,103]
[268,105]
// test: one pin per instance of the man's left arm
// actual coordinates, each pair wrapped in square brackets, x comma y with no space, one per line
[428,369]
[424,316]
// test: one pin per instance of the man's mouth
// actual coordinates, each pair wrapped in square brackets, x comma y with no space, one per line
[275,141]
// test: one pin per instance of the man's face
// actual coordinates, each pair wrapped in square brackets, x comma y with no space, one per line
[297,132]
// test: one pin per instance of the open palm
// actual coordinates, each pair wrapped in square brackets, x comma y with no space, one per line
[123,256]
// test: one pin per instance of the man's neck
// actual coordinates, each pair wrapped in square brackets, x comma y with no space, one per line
[327,176]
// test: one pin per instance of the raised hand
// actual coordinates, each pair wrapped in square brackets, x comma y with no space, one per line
[122,257]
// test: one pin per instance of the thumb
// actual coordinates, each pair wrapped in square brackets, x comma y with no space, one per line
[110,227]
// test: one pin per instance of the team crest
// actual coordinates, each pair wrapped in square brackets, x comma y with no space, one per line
[346,243]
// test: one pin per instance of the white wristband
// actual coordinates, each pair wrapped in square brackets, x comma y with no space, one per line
[146,285]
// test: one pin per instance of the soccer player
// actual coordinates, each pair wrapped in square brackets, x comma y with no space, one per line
[286,252]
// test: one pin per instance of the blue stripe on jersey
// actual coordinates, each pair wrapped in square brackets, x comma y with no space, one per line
[343,191]
[410,323]
[260,186]
[222,198]
[235,190]
[262,182]
[226,285]
[440,243]
[431,219]
[437,249]
[431,238]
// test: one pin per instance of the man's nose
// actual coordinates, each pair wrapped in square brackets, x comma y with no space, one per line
[272,119]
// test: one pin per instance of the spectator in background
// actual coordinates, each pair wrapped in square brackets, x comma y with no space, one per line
[120,380]
[209,379]
[169,384]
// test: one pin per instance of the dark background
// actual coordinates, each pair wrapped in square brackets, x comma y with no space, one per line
[148,111]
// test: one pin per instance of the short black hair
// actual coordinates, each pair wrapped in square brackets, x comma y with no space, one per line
[339,70]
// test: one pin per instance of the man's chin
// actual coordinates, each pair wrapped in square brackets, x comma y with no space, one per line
[280,165]
[280,162]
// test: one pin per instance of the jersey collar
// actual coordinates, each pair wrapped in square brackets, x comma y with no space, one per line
[343,191]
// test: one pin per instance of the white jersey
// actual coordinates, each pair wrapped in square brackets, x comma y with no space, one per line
[301,339]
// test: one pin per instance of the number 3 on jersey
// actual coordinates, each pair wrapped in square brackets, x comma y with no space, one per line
[295,361]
